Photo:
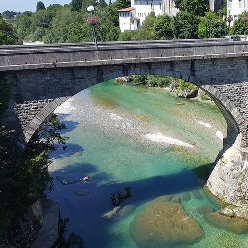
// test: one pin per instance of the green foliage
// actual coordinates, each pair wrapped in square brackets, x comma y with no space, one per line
[163,27]
[195,7]
[146,30]
[40,6]
[140,79]
[24,22]
[76,5]
[7,35]
[126,36]
[211,27]
[152,80]
[158,81]
[23,181]
[58,24]
[240,26]
[186,25]
[5,95]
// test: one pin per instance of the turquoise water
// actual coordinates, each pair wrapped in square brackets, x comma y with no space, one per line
[108,130]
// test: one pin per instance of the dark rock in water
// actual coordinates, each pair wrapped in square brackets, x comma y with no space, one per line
[205,210]
[66,181]
[120,195]
[197,194]
[231,224]
[164,223]
[185,196]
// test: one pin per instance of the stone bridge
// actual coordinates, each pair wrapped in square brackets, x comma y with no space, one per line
[43,77]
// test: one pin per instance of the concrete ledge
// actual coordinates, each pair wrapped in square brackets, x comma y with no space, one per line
[48,235]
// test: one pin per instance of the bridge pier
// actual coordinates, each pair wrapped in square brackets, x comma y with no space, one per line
[228,180]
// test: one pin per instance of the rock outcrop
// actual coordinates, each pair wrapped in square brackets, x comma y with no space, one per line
[228,180]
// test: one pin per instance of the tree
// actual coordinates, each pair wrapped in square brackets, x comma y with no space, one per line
[102,4]
[211,27]
[240,25]
[76,5]
[7,35]
[24,24]
[59,27]
[146,30]
[164,27]
[195,7]
[40,6]
[186,25]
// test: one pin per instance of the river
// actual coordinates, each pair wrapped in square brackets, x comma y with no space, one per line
[146,139]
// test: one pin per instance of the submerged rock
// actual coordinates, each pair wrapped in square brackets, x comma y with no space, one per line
[111,213]
[185,196]
[229,223]
[164,223]
[205,210]
[197,194]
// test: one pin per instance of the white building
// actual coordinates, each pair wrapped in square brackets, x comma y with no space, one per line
[235,8]
[131,18]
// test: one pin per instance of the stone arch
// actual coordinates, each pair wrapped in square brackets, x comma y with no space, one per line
[80,78]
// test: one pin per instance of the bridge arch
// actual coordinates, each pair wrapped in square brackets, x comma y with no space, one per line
[44,77]
[33,102]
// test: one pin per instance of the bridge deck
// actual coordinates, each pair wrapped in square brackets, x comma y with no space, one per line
[26,57]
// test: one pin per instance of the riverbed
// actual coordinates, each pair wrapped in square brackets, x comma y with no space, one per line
[146,139]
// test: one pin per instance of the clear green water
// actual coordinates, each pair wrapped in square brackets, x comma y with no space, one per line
[107,125]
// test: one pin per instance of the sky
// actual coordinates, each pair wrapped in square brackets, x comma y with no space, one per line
[30,5]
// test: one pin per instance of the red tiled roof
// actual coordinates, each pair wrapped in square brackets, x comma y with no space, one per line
[126,9]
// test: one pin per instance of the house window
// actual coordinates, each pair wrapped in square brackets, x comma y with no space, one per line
[160,6]
[151,5]
[240,4]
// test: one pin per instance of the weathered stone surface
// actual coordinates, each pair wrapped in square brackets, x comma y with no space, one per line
[48,235]
[228,180]
[164,223]
[235,225]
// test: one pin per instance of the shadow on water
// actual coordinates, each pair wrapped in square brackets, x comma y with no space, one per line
[70,125]
[99,188]
[71,150]
[202,172]
[73,240]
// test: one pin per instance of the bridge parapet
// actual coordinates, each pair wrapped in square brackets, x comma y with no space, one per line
[72,55]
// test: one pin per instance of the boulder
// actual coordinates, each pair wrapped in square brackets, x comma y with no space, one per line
[164,223]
